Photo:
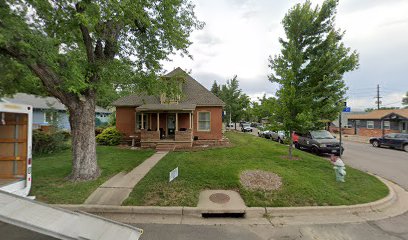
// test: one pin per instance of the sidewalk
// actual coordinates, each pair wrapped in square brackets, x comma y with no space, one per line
[114,191]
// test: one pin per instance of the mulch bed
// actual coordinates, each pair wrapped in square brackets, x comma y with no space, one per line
[260,180]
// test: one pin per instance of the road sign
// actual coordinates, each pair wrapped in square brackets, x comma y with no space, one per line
[173,174]
[347,109]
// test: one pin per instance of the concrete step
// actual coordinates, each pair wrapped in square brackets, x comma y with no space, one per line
[165,147]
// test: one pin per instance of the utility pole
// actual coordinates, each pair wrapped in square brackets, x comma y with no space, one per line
[378,97]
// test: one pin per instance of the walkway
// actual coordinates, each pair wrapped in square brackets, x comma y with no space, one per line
[117,189]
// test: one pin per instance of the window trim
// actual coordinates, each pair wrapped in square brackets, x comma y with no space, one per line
[198,122]
[370,124]
[387,127]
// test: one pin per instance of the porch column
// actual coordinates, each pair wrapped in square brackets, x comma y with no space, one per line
[142,125]
[158,122]
[190,120]
[176,121]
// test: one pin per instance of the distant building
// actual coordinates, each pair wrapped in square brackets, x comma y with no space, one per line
[379,122]
[48,110]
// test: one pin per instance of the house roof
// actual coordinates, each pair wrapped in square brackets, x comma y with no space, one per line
[193,93]
[379,114]
[39,102]
[167,107]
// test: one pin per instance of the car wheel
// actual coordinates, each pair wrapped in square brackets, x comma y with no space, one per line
[280,141]
[406,147]
[297,145]
[315,150]
[376,143]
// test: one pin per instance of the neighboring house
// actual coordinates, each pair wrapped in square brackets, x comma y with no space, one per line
[196,115]
[379,122]
[49,110]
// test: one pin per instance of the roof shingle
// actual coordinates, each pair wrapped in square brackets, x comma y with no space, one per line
[193,93]
[378,114]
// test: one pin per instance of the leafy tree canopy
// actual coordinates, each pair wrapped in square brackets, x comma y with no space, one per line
[310,67]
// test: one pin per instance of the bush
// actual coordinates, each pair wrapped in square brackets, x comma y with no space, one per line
[109,136]
[44,143]
[99,130]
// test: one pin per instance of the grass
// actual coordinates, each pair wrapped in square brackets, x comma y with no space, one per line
[307,182]
[50,171]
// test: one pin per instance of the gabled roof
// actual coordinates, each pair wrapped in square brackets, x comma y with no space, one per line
[39,102]
[379,114]
[193,93]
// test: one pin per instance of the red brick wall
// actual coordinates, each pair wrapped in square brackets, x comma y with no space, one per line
[348,131]
[183,120]
[215,132]
[373,132]
[125,120]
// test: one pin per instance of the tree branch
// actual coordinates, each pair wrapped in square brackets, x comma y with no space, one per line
[86,37]
[48,78]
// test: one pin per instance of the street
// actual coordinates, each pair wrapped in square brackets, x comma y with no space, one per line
[388,163]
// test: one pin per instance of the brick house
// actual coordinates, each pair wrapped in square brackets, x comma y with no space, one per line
[195,117]
[379,122]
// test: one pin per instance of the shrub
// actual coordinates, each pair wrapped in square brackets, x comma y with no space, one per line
[99,130]
[48,142]
[109,136]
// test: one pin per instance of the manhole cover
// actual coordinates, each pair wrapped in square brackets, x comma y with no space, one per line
[219,198]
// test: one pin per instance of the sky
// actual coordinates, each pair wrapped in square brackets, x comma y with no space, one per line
[240,35]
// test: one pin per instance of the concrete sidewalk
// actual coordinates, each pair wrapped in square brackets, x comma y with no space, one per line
[114,191]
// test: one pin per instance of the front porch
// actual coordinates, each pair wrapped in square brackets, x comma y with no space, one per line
[165,127]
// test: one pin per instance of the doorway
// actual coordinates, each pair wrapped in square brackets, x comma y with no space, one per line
[171,124]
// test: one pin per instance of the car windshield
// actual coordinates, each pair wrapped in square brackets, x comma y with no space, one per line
[245,125]
[321,135]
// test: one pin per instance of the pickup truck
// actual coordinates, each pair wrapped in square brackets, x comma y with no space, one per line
[320,141]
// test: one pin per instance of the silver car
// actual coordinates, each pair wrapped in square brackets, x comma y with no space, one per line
[278,136]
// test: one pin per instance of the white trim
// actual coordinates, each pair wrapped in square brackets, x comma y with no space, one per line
[198,122]
[370,124]
[387,127]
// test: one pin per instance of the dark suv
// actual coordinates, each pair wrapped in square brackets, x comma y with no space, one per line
[319,141]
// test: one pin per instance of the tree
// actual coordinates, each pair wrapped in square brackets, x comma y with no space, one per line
[82,51]
[310,68]
[236,102]
[215,88]
[405,100]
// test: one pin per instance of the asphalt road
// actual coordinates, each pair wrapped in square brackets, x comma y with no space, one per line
[388,163]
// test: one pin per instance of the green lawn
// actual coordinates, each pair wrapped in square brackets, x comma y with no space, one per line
[49,172]
[306,182]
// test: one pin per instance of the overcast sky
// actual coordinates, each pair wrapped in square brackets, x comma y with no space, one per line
[240,35]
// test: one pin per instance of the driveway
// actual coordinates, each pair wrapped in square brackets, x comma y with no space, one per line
[388,163]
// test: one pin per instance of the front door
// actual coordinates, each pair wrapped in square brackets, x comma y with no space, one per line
[171,124]
[404,126]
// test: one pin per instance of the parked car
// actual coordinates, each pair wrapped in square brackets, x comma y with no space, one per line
[320,141]
[246,127]
[278,136]
[267,134]
[393,140]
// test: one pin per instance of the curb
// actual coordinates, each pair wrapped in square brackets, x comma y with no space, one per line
[392,205]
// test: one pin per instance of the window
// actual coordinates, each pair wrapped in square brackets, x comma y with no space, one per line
[370,124]
[49,117]
[387,125]
[139,121]
[204,123]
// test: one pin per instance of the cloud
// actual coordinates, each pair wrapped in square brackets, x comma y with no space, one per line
[207,38]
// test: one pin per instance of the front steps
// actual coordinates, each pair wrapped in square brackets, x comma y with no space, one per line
[165,147]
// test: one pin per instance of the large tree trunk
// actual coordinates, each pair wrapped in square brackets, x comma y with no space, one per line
[82,121]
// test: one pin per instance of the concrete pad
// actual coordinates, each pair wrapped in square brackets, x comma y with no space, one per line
[108,196]
[234,203]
